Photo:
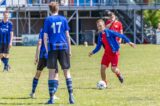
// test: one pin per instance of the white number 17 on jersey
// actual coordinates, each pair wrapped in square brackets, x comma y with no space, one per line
[55,25]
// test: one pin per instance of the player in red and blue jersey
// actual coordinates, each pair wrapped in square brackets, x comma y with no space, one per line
[41,62]
[58,45]
[6,36]
[114,24]
[107,38]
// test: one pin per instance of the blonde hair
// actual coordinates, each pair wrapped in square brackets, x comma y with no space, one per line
[100,20]
[54,7]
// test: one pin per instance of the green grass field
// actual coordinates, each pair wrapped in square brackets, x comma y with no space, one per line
[140,68]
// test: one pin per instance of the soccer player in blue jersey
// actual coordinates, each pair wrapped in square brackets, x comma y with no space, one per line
[58,46]
[6,36]
[41,62]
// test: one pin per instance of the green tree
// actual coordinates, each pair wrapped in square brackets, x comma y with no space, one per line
[152,17]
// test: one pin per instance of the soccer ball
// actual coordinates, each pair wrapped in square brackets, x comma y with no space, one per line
[101,85]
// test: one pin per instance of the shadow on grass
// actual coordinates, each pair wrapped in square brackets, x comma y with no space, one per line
[17,104]
[24,98]
[12,98]
[32,104]
[77,88]
[81,88]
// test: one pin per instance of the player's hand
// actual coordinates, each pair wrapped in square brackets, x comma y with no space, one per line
[36,60]
[70,53]
[10,45]
[132,44]
[90,54]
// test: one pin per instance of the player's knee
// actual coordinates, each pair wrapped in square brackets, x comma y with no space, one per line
[56,76]
[114,69]
[103,68]
[6,55]
[38,74]
[1,55]
[67,73]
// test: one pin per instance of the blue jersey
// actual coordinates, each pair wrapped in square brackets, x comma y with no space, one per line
[42,53]
[56,26]
[5,30]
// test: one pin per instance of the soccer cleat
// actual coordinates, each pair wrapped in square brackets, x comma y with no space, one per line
[120,77]
[71,99]
[32,95]
[50,101]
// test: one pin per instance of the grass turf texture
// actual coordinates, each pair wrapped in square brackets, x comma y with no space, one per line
[140,68]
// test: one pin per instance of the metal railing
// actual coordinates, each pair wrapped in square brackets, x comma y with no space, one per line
[82,2]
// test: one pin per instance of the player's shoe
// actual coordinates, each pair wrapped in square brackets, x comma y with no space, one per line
[32,95]
[50,101]
[55,97]
[7,68]
[120,77]
[71,99]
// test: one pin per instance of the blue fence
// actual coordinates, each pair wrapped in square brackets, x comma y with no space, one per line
[96,2]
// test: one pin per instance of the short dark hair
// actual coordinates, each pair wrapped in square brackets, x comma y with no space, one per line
[54,7]
[6,11]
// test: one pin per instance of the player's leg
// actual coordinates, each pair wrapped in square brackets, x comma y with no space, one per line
[35,83]
[118,74]
[115,69]
[40,67]
[103,73]
[104,65]
[64,60]
[5,58]
[53,76]
[1,52]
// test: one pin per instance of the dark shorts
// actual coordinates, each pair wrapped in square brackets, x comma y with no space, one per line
[43,63]
[58,55]
[4,48]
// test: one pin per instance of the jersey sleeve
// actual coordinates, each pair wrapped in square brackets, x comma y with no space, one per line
[98,46]
[46,26]
[40,34]
[11,27]
[116,34]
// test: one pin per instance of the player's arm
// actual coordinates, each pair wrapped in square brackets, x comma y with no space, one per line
[46,41]
[98,47]
[108,25]
[121,32]
[38,51]
[120,40]
[125,38]
[67,35]
[11,39]
[69,42]
[11,35]
[46,27]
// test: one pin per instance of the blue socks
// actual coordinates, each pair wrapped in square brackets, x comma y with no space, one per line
[52,86]
[5,61]
[69,85]
[34,85]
